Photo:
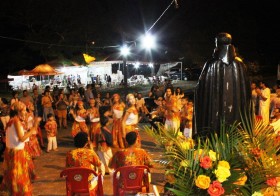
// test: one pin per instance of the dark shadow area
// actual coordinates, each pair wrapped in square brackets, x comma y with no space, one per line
[67,144]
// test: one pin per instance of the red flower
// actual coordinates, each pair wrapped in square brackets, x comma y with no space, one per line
[256,152]
[271,182]
[277,139]
[205,162]
[216,189]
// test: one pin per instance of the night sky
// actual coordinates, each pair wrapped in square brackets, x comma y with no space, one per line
[36,31]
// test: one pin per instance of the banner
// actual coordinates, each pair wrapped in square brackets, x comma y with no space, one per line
[88,59]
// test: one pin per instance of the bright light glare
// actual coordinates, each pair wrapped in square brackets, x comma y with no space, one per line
[137,64]
[125,50]
[148,41]
[151,65]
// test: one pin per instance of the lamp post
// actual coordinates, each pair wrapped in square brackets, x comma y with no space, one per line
[124,52]
[181,70]
[136,66]
[152,69]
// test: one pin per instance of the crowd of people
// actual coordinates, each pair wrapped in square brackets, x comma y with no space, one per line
[266,103]
[105,129]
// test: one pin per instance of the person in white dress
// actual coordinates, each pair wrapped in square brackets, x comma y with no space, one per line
[264,103]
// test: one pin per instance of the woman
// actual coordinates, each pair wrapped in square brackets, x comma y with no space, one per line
[179,95]
[94,118]
[118,110]
[32,146]
[107,100]
[74,97]
[80,116]
[5,112]
[179,92]
[16,176]
[84,156]
[61,106]
[172,112]
[98,100]
[131,117]
[14,97]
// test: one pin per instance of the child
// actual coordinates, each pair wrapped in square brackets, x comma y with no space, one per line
[51,129]
[184,113]
[104,147]
[188,129]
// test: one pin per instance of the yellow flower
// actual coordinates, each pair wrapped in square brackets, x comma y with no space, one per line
[278,184]
[212,155]
[186,145]
[202,182]
[241,181]
[184,163]
[222,174]
[224,164]
[269,191]
[257,194]
[197,153]
[180,134]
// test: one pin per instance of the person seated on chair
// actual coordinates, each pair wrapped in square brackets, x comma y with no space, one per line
[132,155]
[84,156]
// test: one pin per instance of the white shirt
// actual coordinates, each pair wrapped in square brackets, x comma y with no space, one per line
[118,113]
[132,119]
[12,140]
[266,94]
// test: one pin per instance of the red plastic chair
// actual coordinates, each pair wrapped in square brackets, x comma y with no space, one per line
[77,181]
[131,180]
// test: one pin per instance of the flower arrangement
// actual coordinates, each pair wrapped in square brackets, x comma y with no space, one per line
[240,160]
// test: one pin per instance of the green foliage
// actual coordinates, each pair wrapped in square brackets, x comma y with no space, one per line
[249,147]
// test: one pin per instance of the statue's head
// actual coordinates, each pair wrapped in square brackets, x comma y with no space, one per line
[223,39]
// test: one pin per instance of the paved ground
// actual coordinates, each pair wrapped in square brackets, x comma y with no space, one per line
[49,165]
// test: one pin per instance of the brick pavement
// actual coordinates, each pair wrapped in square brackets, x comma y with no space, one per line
[49,165]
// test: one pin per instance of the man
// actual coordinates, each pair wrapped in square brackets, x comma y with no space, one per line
[254,98]
[88,94]
[47,101]
[131,155]
[37,100]
[264,102]
[26,98]
[223,91]
[157,116]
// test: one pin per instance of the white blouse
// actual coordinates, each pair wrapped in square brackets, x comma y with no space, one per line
[12,140]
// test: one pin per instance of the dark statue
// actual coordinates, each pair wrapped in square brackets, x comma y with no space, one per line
[223,91]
